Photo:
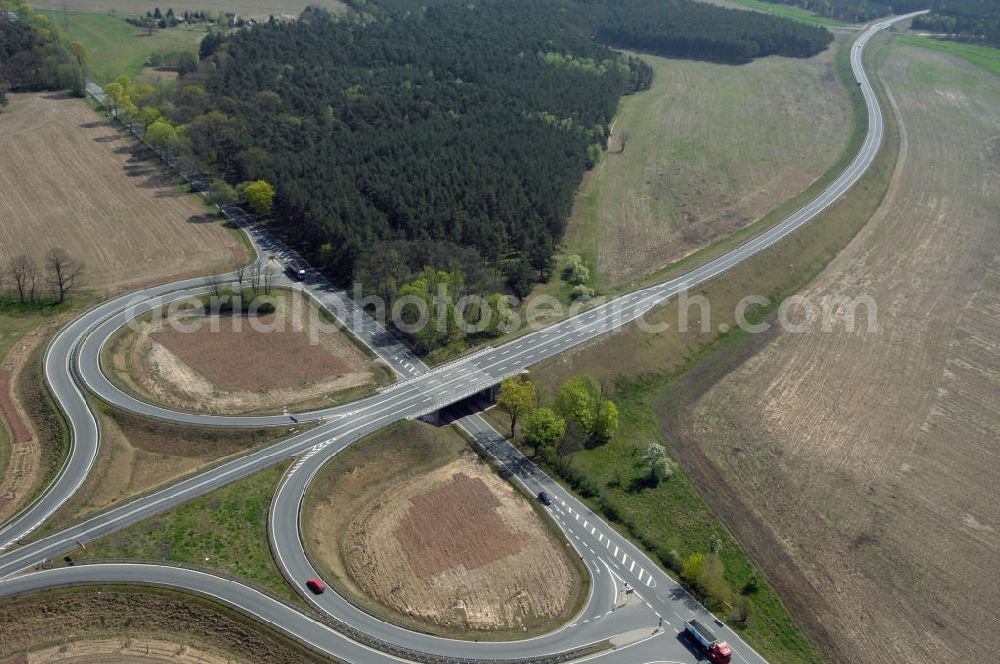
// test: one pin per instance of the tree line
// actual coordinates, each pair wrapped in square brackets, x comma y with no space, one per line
[36,55]
[968,20]
[856,11]
[676,28]
[456,124]
[686,29]
[26,281]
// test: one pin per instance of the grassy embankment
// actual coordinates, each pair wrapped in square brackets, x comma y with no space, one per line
[986,57]
[18,322]
[225,531]
[125,613]
[712,148]
[640,369]
[138,455]
[118,48]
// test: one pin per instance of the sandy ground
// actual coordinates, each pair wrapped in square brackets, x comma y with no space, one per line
[458,547]
[871,458]
[415,528]
[240,364]
[72,180]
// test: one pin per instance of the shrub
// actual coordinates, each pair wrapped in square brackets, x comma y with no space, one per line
[742,609]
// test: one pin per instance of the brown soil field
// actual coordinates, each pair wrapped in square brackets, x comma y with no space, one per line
[138,454]
[867,460]
[245,8]
[417,529]
[712,148]
[233,364]
[71,179]
[98,625]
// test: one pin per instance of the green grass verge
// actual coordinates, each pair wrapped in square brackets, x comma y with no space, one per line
[791,12]
[118,48]
[859,128]
[225,530]
[982,56]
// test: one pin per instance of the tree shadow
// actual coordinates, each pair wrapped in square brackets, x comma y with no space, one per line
[642,482]
[202,219]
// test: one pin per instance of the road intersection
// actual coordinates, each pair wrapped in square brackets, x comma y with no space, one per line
[645,629]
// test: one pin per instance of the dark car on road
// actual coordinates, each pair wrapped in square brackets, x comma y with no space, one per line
[544,499]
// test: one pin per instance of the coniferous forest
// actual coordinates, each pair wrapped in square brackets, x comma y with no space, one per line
[856,11]
[470,123]
[969,20]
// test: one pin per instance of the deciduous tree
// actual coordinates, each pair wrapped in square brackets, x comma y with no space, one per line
[259,195]
[162,136]
[660,465]
[24,272]
[517,397]
[543,428]
[581,401]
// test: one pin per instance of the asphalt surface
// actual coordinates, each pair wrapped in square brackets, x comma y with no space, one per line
[631,600]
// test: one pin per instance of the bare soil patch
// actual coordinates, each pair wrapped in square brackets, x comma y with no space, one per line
[234,363]
[71,179]
[868,459]
[464,505]
[418,530]
[114,624]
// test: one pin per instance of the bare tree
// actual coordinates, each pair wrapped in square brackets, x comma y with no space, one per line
[241,269]
[255,276]
[268,276]
[25,273]
[214,282]
[64,272]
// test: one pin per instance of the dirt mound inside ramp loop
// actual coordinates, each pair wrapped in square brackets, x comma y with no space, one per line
[464,504]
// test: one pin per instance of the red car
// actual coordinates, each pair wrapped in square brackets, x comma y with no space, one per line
[316,586]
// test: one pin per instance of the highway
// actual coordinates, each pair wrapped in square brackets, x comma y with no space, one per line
[643,621]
